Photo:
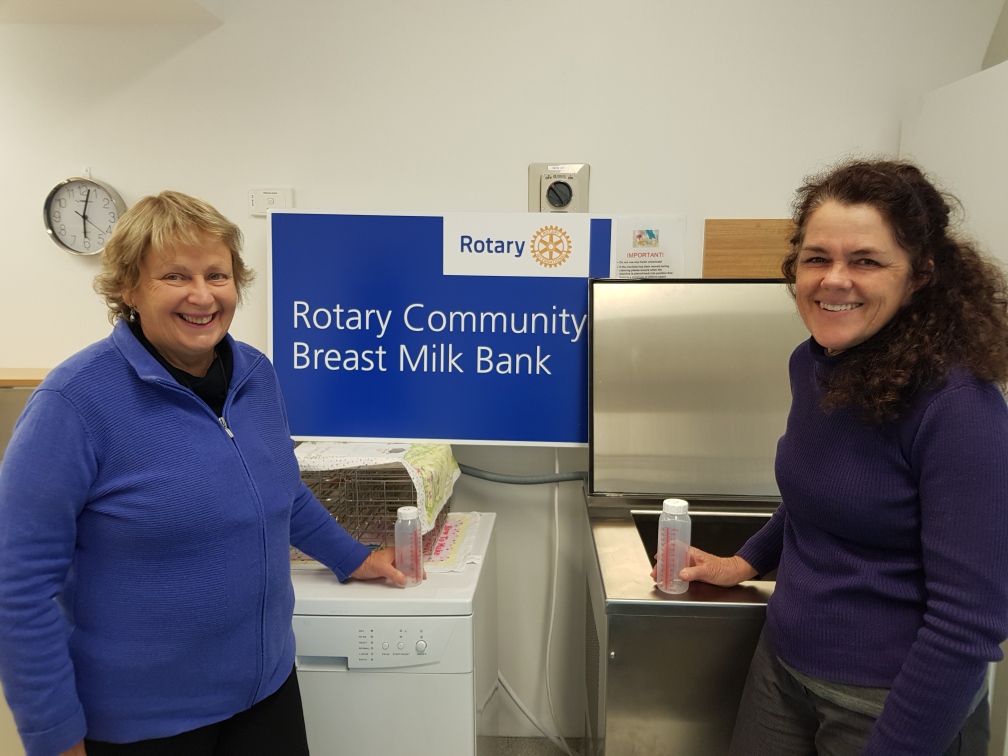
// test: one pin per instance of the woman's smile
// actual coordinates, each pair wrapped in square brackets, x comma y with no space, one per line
[198,320]
[839,307]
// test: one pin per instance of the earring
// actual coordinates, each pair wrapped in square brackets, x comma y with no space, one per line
[131,314]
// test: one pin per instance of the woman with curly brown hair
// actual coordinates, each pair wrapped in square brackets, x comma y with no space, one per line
[890,541]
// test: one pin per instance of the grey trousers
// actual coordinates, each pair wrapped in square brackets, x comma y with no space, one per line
[778,716]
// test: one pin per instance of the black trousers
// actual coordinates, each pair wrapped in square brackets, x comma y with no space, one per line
[778,716]
[273,726]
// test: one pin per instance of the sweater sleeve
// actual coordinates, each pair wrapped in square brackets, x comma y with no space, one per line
[317,534]
[959,454]
[313,530]
[763,549]
[47,472]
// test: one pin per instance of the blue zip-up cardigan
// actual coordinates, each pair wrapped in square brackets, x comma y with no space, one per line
[144,549]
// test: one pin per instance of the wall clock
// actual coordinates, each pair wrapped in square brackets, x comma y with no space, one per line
[80,214]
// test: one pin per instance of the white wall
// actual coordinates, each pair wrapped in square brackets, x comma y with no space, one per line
[997,50]
[712,109]
[960,132]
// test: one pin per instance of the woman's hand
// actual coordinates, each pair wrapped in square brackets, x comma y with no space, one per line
[707,568]
[380,564]
[77,750]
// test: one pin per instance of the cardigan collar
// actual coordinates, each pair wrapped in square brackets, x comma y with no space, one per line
[149,369]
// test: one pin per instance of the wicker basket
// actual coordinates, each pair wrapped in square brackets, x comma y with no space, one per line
[364,500]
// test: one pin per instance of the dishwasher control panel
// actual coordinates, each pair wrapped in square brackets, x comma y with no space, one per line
[386,642]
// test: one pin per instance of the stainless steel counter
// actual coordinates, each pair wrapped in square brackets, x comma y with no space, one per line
[664,673]
[688,396]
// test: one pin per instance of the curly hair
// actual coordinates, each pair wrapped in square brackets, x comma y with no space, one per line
[155,223]
[957,318]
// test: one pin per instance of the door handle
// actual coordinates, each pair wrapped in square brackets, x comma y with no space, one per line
[321,663]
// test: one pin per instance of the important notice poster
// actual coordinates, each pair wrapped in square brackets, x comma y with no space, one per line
[459,328]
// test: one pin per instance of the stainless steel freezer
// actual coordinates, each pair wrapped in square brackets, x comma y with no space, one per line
[688,395]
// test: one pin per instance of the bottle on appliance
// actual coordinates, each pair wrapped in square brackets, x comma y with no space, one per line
[409,545]
[673,545]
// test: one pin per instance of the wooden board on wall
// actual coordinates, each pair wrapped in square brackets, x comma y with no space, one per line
[745,247]
[21,377]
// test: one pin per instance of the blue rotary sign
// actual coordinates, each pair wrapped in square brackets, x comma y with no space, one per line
[459,328]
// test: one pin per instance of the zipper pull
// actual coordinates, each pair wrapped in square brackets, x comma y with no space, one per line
[224,423]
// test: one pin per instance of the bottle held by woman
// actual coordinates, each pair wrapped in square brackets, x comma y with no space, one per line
[409,545]
[673,545]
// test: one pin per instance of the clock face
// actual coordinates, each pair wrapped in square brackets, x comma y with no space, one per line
[80,215]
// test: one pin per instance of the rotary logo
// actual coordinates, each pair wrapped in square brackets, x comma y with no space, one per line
[550,246]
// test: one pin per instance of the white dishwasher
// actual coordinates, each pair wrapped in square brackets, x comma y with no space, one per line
[384,669]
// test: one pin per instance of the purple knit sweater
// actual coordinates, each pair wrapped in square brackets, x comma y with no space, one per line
[891,545]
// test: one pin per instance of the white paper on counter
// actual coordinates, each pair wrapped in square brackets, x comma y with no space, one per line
[454,547]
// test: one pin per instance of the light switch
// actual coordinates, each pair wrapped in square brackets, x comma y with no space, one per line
[262,198]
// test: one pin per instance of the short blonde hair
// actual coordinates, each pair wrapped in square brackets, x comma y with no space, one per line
[157,222]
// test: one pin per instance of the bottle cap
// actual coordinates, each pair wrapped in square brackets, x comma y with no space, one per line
[675,506]
[408,513]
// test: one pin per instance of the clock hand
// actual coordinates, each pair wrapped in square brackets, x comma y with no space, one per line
[87,198]
[88,220]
